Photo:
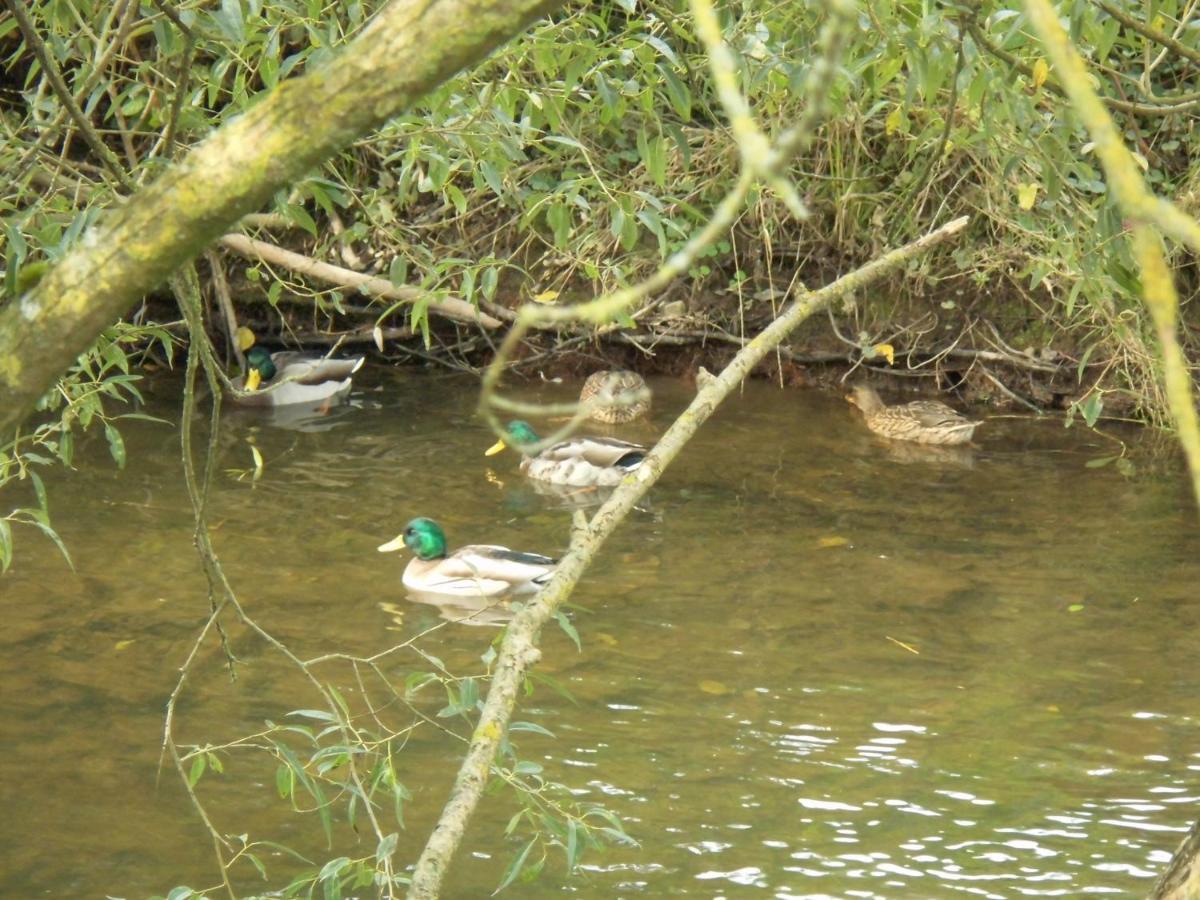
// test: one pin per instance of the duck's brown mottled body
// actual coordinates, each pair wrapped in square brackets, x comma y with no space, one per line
[923,421]
[615,397]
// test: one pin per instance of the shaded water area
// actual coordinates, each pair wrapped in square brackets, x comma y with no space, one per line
[814,664]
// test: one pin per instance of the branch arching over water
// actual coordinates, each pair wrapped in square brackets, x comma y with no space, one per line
[519,650]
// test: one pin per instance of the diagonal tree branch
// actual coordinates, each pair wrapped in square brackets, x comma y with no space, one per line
[410,47]
[519,651]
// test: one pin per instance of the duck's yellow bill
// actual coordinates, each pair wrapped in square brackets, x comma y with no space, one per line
[253,380]
[396,543]
[495,448]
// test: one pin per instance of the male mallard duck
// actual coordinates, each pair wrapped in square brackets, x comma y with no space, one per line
[310,379]
[924,421]
[576,462]
[477,570]
[615,397]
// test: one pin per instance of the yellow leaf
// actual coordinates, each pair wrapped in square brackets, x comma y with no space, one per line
[1141,161]
[1026,195]
[894,121]
[121,645]
[546,297]
[1158,23]
[258,462]
[245,338]
[1041,70]
[714,687]
[834,540]
[887,351]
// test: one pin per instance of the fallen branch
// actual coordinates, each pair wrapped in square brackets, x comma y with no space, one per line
[449,307]
[519,650]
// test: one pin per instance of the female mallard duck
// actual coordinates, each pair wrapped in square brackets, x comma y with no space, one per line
[309,379]
[615,397]
[576,462]
[477,570]
[923,421]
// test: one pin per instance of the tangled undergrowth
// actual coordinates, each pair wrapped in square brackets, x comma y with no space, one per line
[582,154]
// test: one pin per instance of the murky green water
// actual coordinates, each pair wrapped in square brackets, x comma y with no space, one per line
[812,665]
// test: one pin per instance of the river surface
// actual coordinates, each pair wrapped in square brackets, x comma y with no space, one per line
[813,664]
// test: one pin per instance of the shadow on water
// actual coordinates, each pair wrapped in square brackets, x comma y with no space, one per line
[814,663]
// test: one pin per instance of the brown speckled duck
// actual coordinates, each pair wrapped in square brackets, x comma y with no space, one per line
[923,421]
[615,397]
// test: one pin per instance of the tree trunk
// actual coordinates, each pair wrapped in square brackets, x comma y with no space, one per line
[1181,880]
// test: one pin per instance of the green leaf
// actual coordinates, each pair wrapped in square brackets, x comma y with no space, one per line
[333,868]
[321,715]
[299,216]
[6,545]
[661,46]
[116,444]
[678,93]
[39,489]
[531,727]
[514,867]
[457,197]
[49,532]
[285,781]
[199,764]
[257,863]
[488,170]
[558,217]
[231,20]
[1091,408]
[398,271]
[572,847]
[568,629]
[489,281]
[386,847]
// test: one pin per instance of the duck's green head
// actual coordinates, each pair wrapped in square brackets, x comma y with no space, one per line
[424,537]
[519,434]
[259,368]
